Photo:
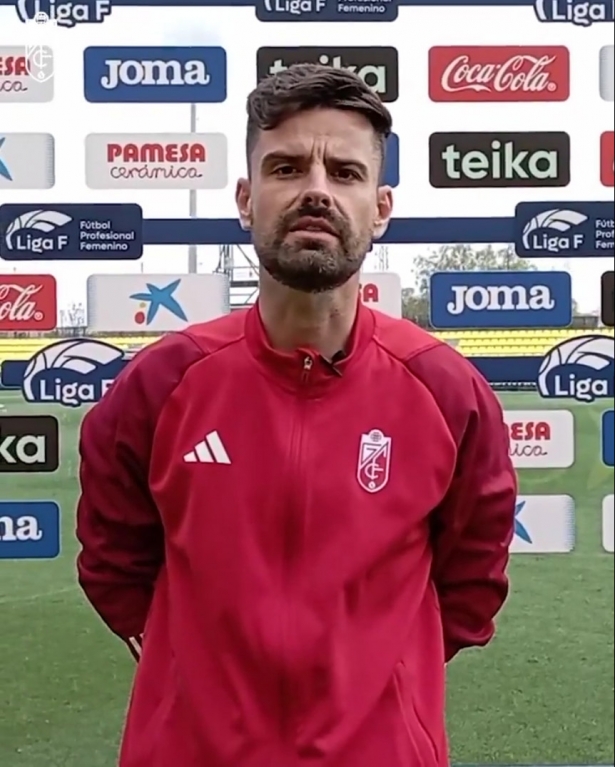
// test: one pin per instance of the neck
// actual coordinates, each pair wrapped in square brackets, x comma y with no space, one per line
[320,321]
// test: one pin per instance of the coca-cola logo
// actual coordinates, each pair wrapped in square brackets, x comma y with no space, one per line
[523,73]
[17,304]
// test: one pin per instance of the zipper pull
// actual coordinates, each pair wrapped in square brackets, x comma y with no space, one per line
[308,364]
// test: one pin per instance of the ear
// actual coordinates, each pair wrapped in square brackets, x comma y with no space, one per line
[243,199]
[384,211]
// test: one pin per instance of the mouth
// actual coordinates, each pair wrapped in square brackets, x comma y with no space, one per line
[313,226]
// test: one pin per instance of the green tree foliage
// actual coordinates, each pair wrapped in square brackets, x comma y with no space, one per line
[455,258]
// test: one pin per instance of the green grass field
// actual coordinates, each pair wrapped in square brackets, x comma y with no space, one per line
[542,693]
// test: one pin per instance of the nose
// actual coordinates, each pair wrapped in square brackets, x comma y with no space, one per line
[317,193]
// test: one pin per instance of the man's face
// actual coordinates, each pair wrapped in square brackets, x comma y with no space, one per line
[313,202]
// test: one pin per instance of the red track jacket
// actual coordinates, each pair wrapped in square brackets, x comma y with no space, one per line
[302,544]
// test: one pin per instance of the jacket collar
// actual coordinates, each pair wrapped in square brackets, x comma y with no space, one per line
[305,368]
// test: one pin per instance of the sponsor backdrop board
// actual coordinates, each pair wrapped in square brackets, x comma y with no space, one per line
[29,443]
[71,232]
[160,74]
[26,78]
[541,439]
[154,303]
[607,72]
[29,530]
[607,155]
[544,524]
[500,300]
[27,161]
[505,73]
[382,291]
[608,438]
[564,229]
[28,303]
[607,524]
[156,161]
[490,160]
[608,299]
[326,10]
[377,66]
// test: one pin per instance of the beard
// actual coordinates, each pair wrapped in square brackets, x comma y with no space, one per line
[309,264]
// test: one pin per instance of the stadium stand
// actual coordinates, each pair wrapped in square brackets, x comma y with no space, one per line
[471,343]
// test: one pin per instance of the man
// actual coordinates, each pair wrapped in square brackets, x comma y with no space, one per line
[304,509]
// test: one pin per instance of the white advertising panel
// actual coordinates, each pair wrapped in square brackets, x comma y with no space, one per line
[382,291]
[607,72]
[544,524]
[26,74]
[608,543]
[541,439]
[154,302]
[156,160]
[27,161]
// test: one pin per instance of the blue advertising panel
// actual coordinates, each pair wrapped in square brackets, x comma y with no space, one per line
[564,229]
[29,530]
[500,300]
[48,232]
[155,75]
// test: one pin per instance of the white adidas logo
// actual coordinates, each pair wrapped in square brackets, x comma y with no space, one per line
[210,450]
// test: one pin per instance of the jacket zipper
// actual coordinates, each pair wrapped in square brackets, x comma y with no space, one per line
[291,542]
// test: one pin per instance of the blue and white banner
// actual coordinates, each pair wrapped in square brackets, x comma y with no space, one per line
[565,229]
[544,524]
[500,300]
[53,231]
[29,530]
[155,75]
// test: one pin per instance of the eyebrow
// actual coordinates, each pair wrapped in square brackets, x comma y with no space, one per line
[278,156]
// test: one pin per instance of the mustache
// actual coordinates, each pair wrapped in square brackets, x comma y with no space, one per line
[314,211]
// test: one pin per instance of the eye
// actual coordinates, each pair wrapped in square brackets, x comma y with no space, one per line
[284,170]
[347,174]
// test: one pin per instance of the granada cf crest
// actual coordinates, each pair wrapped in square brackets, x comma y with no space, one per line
[374,461]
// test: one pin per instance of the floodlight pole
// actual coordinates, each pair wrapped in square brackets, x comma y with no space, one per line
[192,212]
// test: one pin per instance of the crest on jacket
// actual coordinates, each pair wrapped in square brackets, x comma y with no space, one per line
[374,461]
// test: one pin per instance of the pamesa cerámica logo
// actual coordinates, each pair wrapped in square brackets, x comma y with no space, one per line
[578,12]
[581,368]
[63,13]
[72,372]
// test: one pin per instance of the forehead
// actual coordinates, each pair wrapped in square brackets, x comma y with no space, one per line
[321,133]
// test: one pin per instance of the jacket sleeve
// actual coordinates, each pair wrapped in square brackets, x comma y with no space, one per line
[474,526]
[118,526]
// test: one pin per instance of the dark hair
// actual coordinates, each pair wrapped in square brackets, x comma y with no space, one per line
[311,86]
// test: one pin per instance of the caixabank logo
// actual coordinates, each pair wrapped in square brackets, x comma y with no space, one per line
[71,373]
[63,13]
[581,368]
[544,524]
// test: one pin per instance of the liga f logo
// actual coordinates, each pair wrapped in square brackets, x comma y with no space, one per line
[374,461]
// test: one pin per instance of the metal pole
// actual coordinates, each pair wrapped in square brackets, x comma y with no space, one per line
[192,249]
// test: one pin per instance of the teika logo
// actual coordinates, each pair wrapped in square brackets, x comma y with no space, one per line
[29,444]
[470,160]
[377,66]
[28,302]
[499,73]
[607,158]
